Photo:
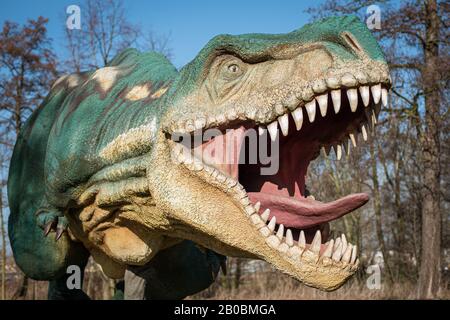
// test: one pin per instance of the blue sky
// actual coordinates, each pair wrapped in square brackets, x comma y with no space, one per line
[190,23]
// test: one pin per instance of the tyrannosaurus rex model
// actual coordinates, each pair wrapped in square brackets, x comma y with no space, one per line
[119,159]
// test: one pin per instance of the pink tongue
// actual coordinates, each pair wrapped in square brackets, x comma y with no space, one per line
[303,213]
[222,150]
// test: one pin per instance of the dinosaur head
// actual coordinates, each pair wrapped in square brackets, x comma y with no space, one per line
[245,119]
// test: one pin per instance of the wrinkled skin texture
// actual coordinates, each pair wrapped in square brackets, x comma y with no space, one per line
[94,168]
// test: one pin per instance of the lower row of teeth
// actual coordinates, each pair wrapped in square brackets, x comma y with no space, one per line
[339,249]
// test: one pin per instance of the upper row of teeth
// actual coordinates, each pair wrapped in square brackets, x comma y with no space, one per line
[319,87]
[338,250]
[340,146]
[378,93]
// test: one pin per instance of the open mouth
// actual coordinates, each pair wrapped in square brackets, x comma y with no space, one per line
[284,210]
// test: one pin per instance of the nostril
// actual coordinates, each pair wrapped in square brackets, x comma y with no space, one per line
[352,41]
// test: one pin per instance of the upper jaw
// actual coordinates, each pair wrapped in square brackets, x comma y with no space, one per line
[265,107]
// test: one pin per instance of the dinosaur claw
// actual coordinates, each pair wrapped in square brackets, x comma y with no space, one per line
[48,228]
[59,232]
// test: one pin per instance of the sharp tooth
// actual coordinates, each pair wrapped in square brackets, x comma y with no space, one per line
[311,110]
[377,109]
[311,197]
[257,206]
[272,224]
[261,130]
[280,232]
[338,152]
[315,245]
[336,97]
[336,244]
[289,238]
[376,92]
[323,104]
[284,124]
[337,252]
[347,254]
[329,250]
[364,132]
[369,123]
[354,254]
[346,146]
[384,97]
[352,95]
[273,130]
[352,138]
[374,118]
[344,239]
[302,240]
[365,95]
[297,114]
[265,215]
[344,243]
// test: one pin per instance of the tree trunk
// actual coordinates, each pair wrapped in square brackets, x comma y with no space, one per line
[429,274]
[3,234]
[377,210]
[237,273]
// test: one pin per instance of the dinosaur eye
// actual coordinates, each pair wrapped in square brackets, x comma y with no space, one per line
[233,68]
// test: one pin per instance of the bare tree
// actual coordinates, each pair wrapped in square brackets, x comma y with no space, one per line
[27,68]
[3,236]
[105,30]
[159,43]
[429,276]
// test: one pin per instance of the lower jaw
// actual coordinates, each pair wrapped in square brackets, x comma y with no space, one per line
[308,262]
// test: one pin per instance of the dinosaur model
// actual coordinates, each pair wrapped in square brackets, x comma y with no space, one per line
[110,165]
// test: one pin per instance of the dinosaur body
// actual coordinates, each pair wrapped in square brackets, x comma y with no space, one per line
[99,159]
